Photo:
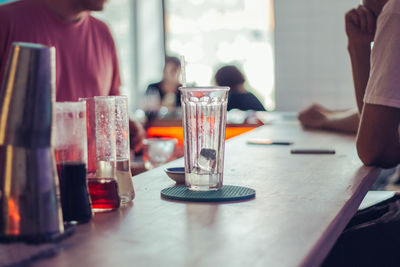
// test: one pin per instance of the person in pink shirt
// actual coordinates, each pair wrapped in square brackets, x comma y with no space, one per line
[86,59]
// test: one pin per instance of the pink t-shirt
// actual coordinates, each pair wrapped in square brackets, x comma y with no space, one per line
[384,81]
[86,61]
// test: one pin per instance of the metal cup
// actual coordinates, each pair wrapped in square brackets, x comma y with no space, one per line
[29,193]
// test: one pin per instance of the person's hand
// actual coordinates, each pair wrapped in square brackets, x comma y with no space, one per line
[314,117]
[137,135]
[360,25]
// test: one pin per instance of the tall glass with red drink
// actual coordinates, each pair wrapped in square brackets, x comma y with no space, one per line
[102,179]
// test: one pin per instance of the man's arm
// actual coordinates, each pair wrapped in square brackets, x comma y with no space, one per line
[360,30]
[319,117]
[360,66]
[378,137]
[343,122]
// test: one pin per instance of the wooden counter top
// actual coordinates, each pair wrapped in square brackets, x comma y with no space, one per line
[303,202]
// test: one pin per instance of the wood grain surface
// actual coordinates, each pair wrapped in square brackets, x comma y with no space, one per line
[302,204]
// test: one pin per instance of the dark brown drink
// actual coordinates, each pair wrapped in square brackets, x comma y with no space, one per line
[75,200]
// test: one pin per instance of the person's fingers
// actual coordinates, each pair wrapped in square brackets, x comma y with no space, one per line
[300,116]
[312,117]
[362,19]
[318,108]
[304,114]
[371,19]
[352,17]
[306,118]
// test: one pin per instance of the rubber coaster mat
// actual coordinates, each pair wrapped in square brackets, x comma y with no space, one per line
[226,193]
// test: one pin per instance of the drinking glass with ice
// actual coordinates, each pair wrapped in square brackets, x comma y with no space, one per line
[204,119]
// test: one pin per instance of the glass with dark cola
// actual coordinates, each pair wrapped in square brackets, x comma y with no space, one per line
[70,149]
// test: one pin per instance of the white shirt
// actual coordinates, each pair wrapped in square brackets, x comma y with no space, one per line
[383,86]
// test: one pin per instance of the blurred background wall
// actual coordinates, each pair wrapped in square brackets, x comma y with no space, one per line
[312,64]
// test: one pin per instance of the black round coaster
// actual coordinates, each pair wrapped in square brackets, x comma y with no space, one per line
[226,193]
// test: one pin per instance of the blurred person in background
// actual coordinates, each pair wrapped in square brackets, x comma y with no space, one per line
[86,58]
[239,97]
[166,90]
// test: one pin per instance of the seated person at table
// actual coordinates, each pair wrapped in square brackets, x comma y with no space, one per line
[86,59]
[372,238]
[318,117]
[239,97]
[167,88]
[378,93]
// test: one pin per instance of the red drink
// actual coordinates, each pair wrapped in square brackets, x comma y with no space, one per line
[104,194]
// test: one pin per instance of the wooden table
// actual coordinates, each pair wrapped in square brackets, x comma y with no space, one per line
[303,202]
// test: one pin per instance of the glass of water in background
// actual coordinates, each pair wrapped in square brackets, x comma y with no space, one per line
[204,119]
[158,151]
[123,170]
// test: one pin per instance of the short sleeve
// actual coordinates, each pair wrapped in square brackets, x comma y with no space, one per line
[383,86]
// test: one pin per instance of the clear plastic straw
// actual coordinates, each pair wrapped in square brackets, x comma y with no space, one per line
[183,71]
